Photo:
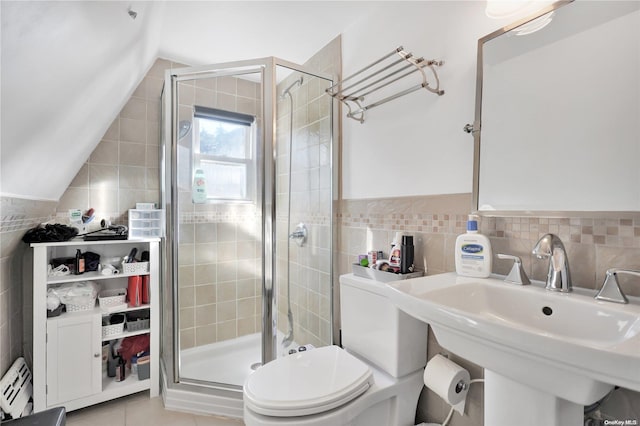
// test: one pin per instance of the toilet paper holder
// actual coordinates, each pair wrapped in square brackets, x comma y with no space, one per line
[461,386]
[450,382]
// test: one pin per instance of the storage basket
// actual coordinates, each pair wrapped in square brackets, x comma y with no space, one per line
[78,296]
[141,324]
[112,330]
[113,297]
[135,268]
[382,276]
[144,369]
[138,320]
[55,312]
[81,304]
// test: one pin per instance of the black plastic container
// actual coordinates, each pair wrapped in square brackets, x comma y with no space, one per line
[79,263]
[120,369]
[406,254]
[112,362]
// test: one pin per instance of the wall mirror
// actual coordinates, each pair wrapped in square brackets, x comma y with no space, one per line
[558,112]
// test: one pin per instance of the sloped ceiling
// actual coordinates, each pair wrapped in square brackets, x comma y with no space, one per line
[67,68]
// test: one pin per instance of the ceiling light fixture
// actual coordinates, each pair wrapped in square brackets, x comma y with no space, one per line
[518,9]
[535,25]
[499,9]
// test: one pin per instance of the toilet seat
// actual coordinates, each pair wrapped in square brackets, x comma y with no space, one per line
[307,383]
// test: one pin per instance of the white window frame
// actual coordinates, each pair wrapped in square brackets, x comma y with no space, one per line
[249,161]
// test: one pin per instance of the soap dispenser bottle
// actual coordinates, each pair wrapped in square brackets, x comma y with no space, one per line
[473,252]
[199,194]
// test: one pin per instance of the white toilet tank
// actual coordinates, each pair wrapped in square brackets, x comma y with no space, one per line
[375,329]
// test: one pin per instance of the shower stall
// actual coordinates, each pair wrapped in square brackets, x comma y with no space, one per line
[248,187]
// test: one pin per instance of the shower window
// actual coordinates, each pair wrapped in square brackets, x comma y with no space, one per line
[224,148]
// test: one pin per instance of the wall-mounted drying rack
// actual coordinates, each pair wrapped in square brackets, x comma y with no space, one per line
[380,74]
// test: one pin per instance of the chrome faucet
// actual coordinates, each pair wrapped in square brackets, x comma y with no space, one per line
[550,247]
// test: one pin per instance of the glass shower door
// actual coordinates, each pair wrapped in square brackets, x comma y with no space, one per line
[303,203]
[219,219]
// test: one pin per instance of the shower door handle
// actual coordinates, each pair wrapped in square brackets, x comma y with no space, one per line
[299,235]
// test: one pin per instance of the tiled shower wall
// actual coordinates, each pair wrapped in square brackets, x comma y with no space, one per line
[593,244]
[310,203]
[219,275]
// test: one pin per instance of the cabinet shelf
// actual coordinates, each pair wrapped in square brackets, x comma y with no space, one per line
[104,313]
[88,276]
[129,385]
[126,334]
[97,310]
[78,241]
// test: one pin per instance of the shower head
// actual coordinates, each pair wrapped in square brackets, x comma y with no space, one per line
[183,128]
[286,91]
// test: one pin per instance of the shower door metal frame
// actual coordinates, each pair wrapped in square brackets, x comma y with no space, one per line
[266,159]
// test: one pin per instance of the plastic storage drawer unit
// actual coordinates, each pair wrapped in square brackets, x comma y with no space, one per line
[146,223]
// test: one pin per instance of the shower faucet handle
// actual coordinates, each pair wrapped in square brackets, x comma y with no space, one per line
[299,235]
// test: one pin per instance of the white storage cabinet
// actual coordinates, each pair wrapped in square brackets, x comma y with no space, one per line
[67,349]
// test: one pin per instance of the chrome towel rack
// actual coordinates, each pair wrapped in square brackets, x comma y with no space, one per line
[386,72]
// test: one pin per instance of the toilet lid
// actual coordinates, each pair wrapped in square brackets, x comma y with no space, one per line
[307,383]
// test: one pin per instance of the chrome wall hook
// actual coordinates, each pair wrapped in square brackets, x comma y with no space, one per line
[471,128]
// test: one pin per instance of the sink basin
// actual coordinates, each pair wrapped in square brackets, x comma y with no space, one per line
[564,344]
[577,319]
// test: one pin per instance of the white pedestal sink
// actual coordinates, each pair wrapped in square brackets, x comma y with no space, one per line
[545,354]
[507,402]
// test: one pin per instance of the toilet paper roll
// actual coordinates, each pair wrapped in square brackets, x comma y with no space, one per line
[448,380]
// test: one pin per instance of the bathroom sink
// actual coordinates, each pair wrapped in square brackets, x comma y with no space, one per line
[565,344]
[531,310]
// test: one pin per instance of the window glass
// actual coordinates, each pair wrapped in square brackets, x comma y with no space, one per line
[225,180]
[223,139]
[224,148]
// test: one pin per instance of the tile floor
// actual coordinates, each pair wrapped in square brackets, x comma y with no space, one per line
[139,410]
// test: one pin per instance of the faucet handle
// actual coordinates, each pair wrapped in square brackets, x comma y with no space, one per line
[517,274]
[610,290]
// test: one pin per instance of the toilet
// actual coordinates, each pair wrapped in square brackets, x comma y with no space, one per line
[375,379]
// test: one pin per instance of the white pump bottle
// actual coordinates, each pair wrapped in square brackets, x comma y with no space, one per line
[473,252]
